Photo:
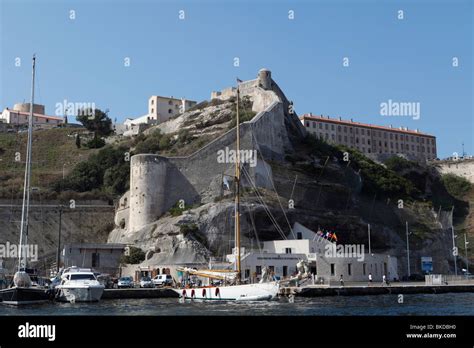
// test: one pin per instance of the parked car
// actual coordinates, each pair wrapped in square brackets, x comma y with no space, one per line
[146,282]
[163,280]
[125,282]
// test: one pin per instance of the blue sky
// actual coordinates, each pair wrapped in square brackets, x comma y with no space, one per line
[409,60]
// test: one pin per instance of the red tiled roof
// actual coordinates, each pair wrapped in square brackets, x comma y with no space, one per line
[351,123]
[36,115]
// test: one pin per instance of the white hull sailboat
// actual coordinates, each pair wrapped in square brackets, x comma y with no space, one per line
[262,291]
[23,292]
[246,292]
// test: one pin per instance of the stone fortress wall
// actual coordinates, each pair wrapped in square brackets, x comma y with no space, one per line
[157,182]
[461,167]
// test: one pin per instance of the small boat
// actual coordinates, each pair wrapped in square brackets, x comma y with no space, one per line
[79,285]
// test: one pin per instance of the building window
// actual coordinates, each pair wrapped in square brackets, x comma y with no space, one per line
[307,124]
[345,129]
[333,269]
[326,126]
[338,128]
[285,271]
[391,136]
[170,102]
[314,125]
[299,235]
[95,260]
[152,101]
[272,269]
[368,131]
[368,142]
[152,110]
[369,150]
[332,127]
[287,250]
[170,111]
[357,140]
[47,120]
[258,270]
[345,138]
[339,138]
[349,268]
[333,137]
[320,125]
[364,266]
[362,131]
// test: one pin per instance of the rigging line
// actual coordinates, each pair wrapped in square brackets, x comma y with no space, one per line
[273,184]
[266,208]
[262,201]
[275,223]
[293,189]
[254,229]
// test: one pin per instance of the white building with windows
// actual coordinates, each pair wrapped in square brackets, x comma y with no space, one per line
[19,115]
[281,257]
[160,109]
[372,140]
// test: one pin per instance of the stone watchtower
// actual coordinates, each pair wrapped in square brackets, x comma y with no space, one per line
[265,78]
[147,189]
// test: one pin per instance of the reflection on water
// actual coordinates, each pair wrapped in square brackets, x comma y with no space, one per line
[416,304]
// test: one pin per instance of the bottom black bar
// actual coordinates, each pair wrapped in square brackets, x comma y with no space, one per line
[218,330]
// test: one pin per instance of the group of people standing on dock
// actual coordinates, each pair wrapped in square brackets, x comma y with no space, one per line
[385,281]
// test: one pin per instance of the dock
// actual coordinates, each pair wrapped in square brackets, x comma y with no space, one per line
[139,293]
[317,291]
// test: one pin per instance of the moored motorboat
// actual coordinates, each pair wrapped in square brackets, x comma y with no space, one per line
[79,285]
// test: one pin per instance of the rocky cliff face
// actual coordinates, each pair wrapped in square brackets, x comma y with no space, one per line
[293,183]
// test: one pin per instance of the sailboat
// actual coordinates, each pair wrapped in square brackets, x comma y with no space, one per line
[264,290]
[23,292]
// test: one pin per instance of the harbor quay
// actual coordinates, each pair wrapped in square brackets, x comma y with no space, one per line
[352,289]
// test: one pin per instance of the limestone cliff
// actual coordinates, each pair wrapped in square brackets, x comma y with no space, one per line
[290,181]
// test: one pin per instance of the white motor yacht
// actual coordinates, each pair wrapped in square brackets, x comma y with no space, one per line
[79,285]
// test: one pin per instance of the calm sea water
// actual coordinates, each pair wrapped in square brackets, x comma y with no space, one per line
[416,304]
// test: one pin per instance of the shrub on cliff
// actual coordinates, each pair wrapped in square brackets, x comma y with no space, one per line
[136,255]
[106,171]
[456,185]
[153,143]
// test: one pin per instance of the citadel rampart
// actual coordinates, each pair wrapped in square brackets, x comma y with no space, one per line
[157,183]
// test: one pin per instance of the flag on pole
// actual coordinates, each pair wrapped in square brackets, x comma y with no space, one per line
[334,236]
[239,80]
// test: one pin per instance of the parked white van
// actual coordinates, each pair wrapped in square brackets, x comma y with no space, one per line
[163,279]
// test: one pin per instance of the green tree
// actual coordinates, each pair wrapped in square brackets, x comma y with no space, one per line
[135,256]
[96,121]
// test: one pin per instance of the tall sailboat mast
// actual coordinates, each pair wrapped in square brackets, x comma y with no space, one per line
[26,187]
[237,192]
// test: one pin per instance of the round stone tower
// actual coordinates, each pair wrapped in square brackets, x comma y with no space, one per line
[147,189]
[25,107]
[265,78]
